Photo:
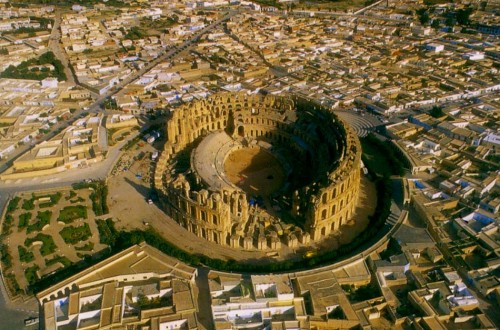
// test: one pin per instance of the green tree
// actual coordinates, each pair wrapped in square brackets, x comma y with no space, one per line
[463,16]
[436,112]
[435,24]
[423,16]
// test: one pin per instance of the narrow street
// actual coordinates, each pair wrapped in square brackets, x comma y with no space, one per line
[56,47]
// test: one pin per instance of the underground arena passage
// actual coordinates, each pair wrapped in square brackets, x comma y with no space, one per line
[258,171]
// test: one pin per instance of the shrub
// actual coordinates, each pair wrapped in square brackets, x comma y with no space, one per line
[7,224]
[24,220]
[29,204]
[63,260]
[72,194]
[73,235]
[12,284]
[71,213]
[87,247]
[54,199]
[48,245]
[25,255]
[98,196]
[6,257]
[31,274]
[43,219]
[107,231]
[13,204]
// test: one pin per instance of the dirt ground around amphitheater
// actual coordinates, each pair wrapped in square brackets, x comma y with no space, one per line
[128,206]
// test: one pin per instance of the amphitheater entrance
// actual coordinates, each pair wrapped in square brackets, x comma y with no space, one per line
[241,131]
[255,170]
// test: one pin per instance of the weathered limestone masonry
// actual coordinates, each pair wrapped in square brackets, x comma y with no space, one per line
[320,151]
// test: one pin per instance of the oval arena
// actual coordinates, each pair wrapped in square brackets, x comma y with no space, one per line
[256,172]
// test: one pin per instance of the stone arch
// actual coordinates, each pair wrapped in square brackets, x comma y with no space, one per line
[323,214]
[323,231]
[324,198]
[241,130]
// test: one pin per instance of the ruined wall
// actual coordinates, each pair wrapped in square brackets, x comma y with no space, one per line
[224,216]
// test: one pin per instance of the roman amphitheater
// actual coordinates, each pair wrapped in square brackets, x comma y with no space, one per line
[256,172]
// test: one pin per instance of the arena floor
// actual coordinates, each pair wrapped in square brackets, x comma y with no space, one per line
[255,170]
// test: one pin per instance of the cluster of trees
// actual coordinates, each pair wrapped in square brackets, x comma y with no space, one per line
[13,204]
[361,293]
[44,25]
[460,17]
[110,103]
[134,33]
[6,257]
[107,231]
[163,23]
[98,196]
[23,70]
[8,220]
[436,112]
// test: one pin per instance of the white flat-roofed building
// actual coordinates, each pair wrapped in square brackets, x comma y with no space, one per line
[257,303]
[137,286]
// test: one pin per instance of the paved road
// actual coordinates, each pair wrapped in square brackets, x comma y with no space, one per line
[8,188]
[56,48]
[312,13]
[95,171]
[166,56]
[96,106]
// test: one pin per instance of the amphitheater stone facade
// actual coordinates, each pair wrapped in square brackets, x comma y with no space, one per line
[319,156]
